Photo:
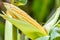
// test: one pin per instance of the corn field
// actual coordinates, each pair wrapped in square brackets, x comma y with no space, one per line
[29,19]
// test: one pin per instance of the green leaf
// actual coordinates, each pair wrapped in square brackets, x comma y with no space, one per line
[2,31]
[27,28]
[19,2]
[55,35]
[57,38]
[18,35]
[58,24]
[43,38]
[2,28]
[41,9]
[57,3]
[49,24]
[1,38]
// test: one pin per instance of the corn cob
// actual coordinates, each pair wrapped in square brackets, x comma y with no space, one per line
[25,16]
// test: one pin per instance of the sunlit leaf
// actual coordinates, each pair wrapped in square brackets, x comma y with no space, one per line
[48,25]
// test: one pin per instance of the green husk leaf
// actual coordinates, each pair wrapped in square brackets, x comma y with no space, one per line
[27,28]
